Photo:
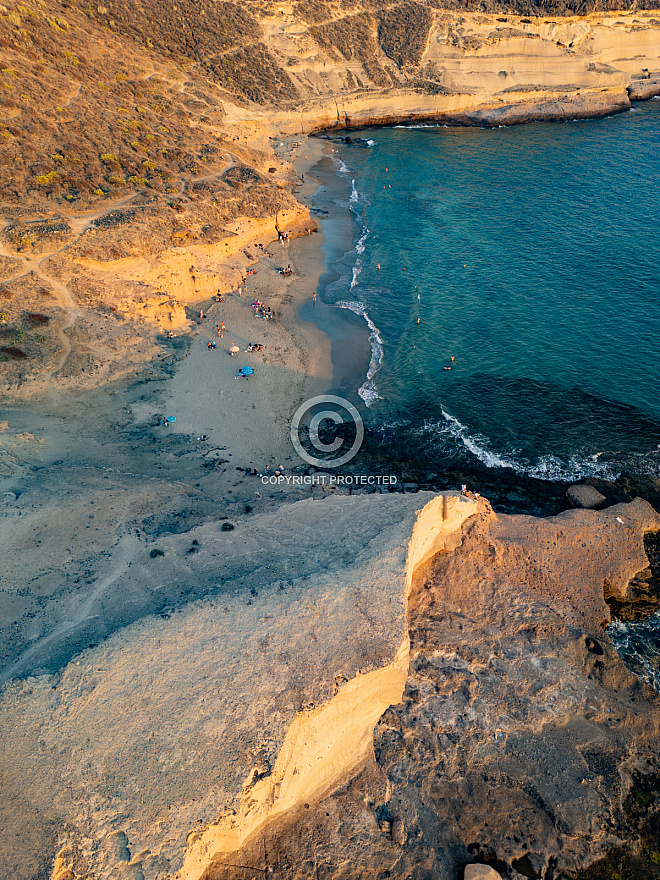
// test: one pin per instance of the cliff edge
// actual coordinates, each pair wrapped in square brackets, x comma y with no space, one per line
[521,740]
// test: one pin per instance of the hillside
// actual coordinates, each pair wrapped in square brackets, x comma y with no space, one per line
[137,153]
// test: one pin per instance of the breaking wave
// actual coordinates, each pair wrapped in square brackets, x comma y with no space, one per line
[368,391]
[546,467]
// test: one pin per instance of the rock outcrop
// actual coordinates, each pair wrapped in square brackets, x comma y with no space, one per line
[521,740]
[584,496]
[480,872]
[357,689]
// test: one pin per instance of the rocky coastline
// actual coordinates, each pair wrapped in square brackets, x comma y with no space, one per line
[521,741]
[220,680]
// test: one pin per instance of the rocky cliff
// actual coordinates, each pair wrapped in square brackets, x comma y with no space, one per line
[520,741]
[367,686]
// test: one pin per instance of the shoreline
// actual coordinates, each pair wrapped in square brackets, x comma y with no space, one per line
[348,333]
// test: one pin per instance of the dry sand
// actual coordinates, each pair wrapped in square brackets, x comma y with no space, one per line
[248,421]
[250,418]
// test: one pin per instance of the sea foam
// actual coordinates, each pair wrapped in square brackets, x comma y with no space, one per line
[368,391]
[546,467]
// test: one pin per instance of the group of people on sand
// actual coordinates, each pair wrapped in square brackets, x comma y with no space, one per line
[220,330]
[279,471]
[261,310]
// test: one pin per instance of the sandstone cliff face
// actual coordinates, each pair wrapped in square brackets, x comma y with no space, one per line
[521,740]
[411,63]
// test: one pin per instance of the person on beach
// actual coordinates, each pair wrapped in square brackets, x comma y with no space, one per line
[201,314]
[222,328]
[314,298]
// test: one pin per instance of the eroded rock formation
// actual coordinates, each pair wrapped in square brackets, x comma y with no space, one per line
[521,739]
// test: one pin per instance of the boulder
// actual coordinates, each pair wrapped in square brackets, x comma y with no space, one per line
[581,495]
[481,872]
[398,831]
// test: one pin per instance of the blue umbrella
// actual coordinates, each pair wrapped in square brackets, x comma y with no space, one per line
[171,419]
[246,371]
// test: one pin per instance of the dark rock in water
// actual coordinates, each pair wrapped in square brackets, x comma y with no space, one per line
[584,496]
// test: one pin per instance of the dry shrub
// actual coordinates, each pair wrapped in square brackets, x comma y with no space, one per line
[403,32]
[15,354]
[313,11]
[192,28]
[35,319]
[253,73]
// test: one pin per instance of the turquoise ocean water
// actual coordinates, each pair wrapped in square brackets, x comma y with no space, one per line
[531,254]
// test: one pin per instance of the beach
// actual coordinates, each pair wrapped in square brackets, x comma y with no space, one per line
[93,481]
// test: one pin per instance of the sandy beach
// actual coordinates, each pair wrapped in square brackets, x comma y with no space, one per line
[92,481]
[245,423]
[247,420]
[83,473]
